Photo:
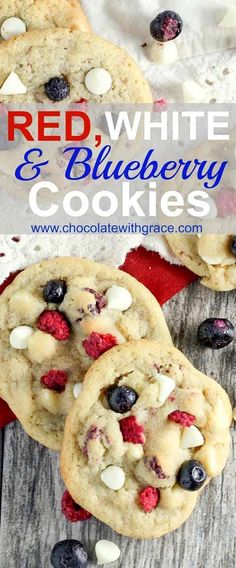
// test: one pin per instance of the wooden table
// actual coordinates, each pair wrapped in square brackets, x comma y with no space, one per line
[31,489]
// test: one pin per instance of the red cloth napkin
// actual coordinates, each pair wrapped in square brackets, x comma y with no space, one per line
[163,279]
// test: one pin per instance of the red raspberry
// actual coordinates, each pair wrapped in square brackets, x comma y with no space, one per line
[149,498]
[160,105]
[97,343]
[183,418]
[54,323]
[55,380]
[72,511]
[131,430]
[82,101]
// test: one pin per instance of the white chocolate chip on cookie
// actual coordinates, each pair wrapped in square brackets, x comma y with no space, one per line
[19,337]
[113,477]
[118,298]
[12,27]
[191,438]
[77,389]
[13,85]
[166,386]
[98,81]
[41,347]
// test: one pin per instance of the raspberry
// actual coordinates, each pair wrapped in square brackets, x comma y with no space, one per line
[149,498]
[226,202]
[156,467]
[54,323]
[97,343]
[55,380]
[82,101]
[183,418]
[93,433]
[101,302]
[160,105]
[72,511]
[131,430]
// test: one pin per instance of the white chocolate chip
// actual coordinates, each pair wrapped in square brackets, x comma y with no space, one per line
[106,552]
[12,27]
[77,389]
[119,298]
[98,81]
[13,85]
[164,53]
[113,477]
[19,337]
[41,346]
[193,92]
[166,386]
[134,452]
[191,438]
[229,20]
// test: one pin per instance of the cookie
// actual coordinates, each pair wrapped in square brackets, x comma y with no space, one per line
[146,434]
[56,318]
[213,257]
[68,65]
[17,16]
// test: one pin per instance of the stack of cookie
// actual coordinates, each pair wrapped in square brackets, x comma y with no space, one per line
[87,345]
[48,53]
[85,350]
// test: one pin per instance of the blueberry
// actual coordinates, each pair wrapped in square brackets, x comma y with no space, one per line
[121,399]
[191,475]
[215,333]
[166,26]
[233,245]
[54,291]
[57,89]
[69,554]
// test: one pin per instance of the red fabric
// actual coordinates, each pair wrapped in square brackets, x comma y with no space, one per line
[163,279]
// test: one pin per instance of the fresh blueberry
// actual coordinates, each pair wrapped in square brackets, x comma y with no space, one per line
[69,554]
[191,475]
[166,26]
[215,333]
[233,245]
[54,291]
[121,399]
[57,89]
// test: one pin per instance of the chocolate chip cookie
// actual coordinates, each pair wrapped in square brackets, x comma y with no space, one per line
[56,318]
[145,436]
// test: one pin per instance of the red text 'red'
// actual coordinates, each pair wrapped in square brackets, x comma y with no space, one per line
[48,126]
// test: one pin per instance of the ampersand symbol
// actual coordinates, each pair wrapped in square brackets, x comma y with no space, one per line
[36,167]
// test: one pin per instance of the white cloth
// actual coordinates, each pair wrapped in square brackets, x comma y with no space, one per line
[207,55]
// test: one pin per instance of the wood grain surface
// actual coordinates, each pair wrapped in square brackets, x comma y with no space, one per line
[31,489]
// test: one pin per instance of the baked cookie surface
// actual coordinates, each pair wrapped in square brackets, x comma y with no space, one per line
[40,14]
[147,432]
[209,256]
[56,318]
[64,65]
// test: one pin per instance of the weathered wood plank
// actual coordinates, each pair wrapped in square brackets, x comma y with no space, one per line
[31,491]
